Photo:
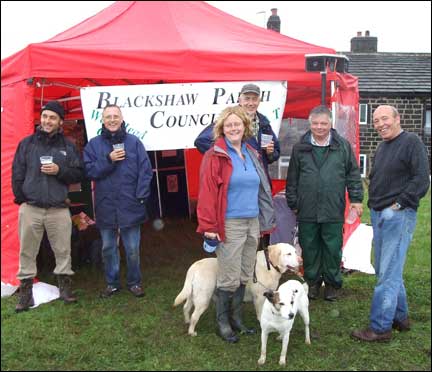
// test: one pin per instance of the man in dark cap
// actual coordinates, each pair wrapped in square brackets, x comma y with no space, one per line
[45,164]
[274,21]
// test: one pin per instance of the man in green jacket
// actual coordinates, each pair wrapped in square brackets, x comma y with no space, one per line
[322,167]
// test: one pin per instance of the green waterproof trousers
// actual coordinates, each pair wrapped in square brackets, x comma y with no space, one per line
[321,245]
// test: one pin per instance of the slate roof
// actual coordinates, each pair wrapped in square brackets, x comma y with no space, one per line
[391,73]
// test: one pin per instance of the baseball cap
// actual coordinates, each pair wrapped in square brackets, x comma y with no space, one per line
[250,88]
[210,245]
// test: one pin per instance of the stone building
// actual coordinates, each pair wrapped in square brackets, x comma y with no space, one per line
[402,80]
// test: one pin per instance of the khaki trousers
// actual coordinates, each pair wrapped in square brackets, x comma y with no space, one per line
[236,257]
[32,221]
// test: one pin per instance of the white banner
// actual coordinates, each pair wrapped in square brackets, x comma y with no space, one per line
[170,116]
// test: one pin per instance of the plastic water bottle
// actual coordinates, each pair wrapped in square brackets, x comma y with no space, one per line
[352,216]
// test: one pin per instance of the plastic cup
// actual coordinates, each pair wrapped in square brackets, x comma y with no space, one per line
[46,159]
[118,146]
[266,139]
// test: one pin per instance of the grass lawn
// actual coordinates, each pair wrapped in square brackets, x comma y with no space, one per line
[126,333]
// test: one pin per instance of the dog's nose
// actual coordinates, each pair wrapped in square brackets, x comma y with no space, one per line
[291,315]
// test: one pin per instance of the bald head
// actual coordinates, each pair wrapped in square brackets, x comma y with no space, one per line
[386,121]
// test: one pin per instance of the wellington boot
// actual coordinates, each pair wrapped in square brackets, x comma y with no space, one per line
[224,330]
[236,318]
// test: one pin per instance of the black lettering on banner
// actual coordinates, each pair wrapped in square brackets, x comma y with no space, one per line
[219,92]
[152,119]
[102,98]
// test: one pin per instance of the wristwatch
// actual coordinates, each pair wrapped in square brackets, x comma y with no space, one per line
[397,206]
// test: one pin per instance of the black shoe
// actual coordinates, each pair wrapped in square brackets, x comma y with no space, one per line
[314,290]
[109,291]
[330,293]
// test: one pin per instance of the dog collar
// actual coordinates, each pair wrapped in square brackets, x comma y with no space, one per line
[275,267]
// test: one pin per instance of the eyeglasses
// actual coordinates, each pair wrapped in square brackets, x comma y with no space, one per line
[233,125]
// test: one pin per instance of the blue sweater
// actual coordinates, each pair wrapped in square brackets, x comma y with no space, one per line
[242,197]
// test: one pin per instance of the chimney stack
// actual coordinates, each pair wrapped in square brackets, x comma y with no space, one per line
[364,44]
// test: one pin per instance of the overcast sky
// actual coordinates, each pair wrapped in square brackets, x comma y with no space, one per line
[401,26]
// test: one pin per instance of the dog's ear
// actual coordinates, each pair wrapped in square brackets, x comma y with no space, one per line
[269,295]
[274,254]
[272,296]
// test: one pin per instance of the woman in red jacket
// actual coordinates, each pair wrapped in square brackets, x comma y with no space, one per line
[234,206]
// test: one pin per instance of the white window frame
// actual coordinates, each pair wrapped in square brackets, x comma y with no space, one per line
[363,169]
[427,124]
[365,107]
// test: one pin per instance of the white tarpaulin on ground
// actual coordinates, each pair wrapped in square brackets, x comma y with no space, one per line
[357,251]
[42,292]
[170,116]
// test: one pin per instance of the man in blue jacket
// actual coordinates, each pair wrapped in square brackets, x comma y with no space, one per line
[45,163]
[118,163]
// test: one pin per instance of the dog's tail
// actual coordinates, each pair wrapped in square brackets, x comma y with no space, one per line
[187,289]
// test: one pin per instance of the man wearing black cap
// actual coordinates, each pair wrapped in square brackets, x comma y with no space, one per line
[45,163]
[274,21]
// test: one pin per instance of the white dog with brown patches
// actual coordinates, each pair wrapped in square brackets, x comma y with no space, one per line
[200,282]
[278,314]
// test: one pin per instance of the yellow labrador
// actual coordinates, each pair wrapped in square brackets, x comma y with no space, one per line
[200,282]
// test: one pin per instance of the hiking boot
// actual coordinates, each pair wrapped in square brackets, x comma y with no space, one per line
[330,293]
[401,326]
[369,335]
[25,295]
[65,287]
[137,291]
[109,291]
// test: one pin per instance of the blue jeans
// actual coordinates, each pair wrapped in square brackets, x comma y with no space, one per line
[392,235]
[110,253]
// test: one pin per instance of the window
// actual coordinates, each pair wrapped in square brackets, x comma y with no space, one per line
[363,113]
[427,125]
[363,165]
